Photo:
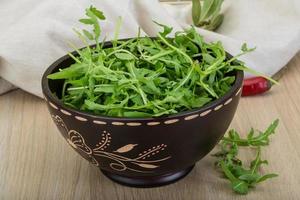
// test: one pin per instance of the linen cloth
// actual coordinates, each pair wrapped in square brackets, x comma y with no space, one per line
[33,33]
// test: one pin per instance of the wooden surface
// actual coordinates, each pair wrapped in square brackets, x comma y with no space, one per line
[36,163]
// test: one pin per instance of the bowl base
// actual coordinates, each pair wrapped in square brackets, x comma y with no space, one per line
[145,182]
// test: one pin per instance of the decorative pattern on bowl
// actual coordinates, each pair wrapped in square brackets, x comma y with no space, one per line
[119,162]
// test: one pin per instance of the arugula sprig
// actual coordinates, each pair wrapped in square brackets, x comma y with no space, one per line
[93,16]
[262,139]
[243,178]
[207,15]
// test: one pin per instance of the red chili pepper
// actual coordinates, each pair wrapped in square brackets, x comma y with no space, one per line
[255,85]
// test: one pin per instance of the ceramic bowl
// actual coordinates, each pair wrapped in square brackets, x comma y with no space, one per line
[142,152]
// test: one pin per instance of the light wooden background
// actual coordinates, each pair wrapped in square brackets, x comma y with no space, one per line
[36,163]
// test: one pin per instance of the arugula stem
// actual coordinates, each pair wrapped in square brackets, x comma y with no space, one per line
[120,50]
[82,39]
[164,53]
[74,58]
[130,67]
[117,31]
[176,49]
[257,159]
[248,69]
[227,172]
[185,55]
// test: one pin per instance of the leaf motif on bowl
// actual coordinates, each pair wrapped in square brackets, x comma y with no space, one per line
[149,166]
[143,162]
[126,148]
[77,142]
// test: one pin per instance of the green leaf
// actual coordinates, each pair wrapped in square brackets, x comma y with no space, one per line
[249,70]
[246,49]
[117,31]
[88,34]
[237,169]
[166,29]
[98,13]
[233,135]
[216,9]
[250,134]
[96,106]
[249,178]
[198,102]
[105,88]
[208,58]
[71,72]
[256,162]
[210,17]
[86,21]
[216,22]
[136,114]
[124,56]
[240,187]
[265,177]
[196,11]
[97,31]
[192,47]
[151,87]
[207,9]
[227,172]
[271,129]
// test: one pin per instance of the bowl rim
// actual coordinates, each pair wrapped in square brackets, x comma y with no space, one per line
[239,76]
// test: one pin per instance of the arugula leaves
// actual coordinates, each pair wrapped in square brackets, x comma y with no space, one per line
[243,178]
[143,77]
[93,17]
[208,15]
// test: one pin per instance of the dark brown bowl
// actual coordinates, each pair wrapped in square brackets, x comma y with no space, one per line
[142,152]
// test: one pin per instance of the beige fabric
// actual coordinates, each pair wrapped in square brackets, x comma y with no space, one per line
[34,32]
[5,86]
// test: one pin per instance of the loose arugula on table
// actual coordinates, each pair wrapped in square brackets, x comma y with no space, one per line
[243,178]
[208,14]
[145,77]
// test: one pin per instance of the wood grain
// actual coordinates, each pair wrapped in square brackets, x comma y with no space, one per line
[36,163]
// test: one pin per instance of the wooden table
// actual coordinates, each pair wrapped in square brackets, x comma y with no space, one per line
[36,163]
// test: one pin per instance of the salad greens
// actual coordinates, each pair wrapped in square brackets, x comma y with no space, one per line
[243,178]
[145,77]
